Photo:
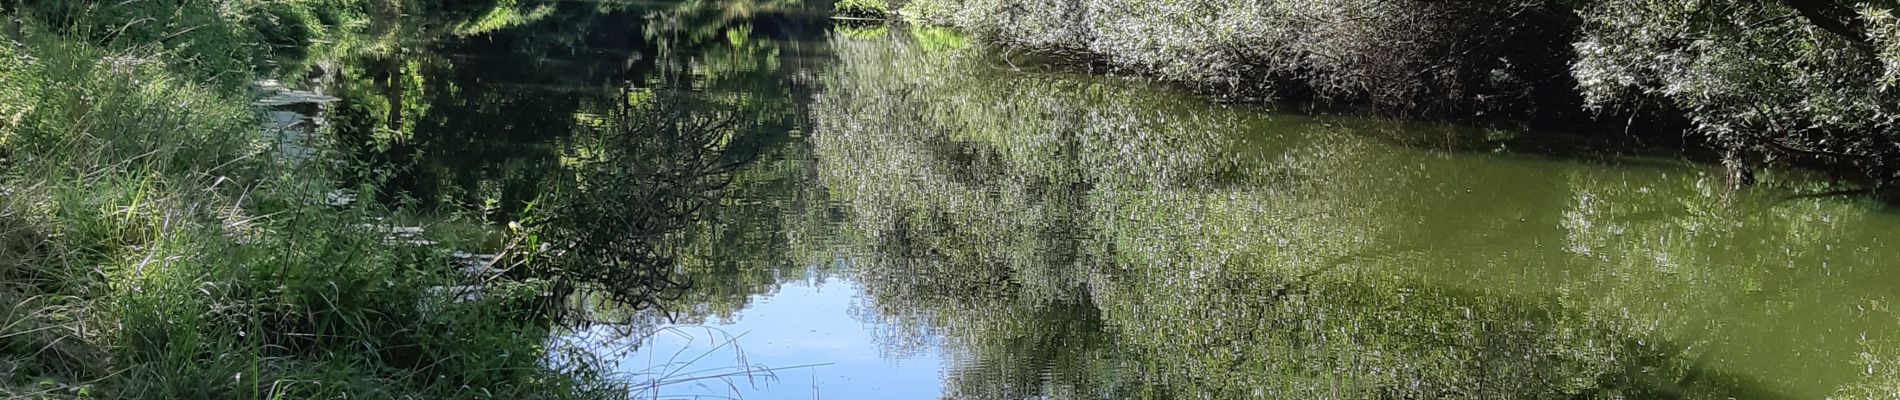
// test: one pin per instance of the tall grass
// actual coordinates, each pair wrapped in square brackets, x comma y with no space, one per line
[152,246]
[227,41]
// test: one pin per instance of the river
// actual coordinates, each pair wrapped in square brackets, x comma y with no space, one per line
[897,212]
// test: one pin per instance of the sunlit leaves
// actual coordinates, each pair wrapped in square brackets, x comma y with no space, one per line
[1755,76]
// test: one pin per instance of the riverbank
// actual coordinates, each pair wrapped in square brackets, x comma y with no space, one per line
[154,244]
[1800,84]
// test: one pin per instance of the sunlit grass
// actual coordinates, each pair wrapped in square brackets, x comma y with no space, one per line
[863,7]
[153,245]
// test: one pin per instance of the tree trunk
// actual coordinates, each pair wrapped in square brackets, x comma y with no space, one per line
[1737,170]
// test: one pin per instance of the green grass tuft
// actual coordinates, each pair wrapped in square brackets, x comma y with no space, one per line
[152,246]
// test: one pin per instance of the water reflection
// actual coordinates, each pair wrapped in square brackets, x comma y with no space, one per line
[1093,238]
[607,129]
[1051,236]
[484,121]
[800,342]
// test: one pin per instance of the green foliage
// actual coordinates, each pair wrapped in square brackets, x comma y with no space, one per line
[1430,57]
[199,33]
[1791,82]
[225,40]
[83,108]
[1755,77]
[506,15]
[863,7]
[154,245]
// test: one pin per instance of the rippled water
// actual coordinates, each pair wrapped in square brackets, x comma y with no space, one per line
[914,217]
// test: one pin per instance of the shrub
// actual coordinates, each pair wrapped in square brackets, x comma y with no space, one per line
[1756,78]
[1802,82]
[1408,56]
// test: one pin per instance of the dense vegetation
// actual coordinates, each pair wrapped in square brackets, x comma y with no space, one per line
[1808,82]
[153,244]
[158,243]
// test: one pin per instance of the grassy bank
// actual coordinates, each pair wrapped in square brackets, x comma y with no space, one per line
[1805,83]
[153,245]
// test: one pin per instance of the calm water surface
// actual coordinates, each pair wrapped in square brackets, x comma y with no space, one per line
[923,219]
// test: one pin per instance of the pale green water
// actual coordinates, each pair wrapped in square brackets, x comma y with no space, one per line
[1102,238]
[913,210]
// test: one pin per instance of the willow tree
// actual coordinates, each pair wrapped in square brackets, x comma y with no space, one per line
[1798,81]
[1448,58]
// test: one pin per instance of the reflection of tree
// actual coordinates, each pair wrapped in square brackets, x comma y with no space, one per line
[1743,276]
[643,171]
[770,228]
[618,127]
[468,122]
[1063,233]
